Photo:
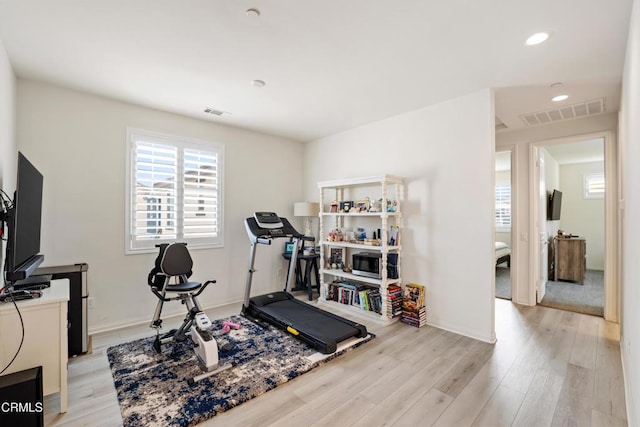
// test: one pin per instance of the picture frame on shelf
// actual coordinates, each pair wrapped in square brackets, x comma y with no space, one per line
[346,206]
[335,256]
[362,205]
[393,235]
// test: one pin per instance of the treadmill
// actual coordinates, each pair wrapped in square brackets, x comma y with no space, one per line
[320,329]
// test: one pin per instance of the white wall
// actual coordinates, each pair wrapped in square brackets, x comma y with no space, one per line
[584,217]
[629,156]
[78,142]
[448,168]
[8,151]
[524,138]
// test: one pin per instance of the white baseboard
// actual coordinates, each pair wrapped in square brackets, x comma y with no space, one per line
[456,329]
[630,403]
[140,321]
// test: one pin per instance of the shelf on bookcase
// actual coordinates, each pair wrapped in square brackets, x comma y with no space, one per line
[357,312]
[369,280]
[367,180]
[361,214]
[360,246]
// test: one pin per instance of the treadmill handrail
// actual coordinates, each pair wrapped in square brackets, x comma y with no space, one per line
[259,235]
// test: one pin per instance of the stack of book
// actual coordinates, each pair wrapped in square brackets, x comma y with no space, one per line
[414,312]
[394,301]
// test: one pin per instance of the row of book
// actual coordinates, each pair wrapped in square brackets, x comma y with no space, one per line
[414,312]
[408,304]
[356,294]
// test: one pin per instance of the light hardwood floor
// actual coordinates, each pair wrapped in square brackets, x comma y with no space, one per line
[548,368]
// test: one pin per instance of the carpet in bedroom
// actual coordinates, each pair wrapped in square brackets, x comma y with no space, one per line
[587,298]
[503,282]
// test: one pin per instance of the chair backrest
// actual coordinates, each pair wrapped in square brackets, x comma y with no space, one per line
[176,260]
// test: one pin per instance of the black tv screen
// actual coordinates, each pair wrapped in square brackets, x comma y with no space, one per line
[555,205]
[24,219]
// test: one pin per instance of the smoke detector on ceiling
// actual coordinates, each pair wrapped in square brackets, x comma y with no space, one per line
[215,112]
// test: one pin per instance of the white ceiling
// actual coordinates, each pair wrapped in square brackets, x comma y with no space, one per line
[328,65]
[591,150]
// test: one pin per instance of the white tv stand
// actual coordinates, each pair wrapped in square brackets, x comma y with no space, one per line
[45,337]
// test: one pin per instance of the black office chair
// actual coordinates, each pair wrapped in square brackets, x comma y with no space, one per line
[169,281]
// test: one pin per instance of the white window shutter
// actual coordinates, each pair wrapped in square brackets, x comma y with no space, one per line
[200,194]
[503,206]
[155,192]
[594,186]
[174,192]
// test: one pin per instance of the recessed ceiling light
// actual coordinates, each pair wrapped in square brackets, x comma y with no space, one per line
[559,98]
[537,38]
[258,83]
[556,84]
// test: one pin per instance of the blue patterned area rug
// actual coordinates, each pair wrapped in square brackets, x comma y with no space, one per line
[153,390]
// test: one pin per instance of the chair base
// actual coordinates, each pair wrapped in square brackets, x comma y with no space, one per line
[192,381]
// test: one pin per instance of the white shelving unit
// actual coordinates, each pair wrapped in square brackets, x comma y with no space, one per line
[389,189]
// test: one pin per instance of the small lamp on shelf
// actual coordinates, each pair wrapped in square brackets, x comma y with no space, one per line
[307,210]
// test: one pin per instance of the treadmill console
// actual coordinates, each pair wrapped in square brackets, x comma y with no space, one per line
[269,220]
[268,225]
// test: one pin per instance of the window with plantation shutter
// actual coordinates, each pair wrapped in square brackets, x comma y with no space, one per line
[594,186]
[174,191]
[503,207]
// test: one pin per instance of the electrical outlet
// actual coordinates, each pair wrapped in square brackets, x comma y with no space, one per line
[92,302]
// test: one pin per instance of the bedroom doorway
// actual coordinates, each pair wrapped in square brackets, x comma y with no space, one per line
[504,220]
[583,222]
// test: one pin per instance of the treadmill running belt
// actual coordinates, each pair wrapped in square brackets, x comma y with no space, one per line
[313,322]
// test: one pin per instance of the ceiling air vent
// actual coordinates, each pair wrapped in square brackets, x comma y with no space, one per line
[499,125]
[213,111]
[574,111]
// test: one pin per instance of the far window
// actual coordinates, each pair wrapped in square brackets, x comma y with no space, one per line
[503,207]
[174,191]
[594,186]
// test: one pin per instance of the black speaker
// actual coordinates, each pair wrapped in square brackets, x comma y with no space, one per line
[21,401]
[392,265]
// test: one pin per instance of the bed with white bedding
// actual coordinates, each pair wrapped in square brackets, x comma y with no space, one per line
[503,254]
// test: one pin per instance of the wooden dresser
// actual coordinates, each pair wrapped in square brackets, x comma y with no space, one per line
[570,258]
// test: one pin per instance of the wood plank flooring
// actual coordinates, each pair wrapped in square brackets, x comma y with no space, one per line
[548,368]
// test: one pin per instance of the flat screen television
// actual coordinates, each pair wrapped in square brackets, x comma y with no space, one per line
[555,204]
[24,223]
